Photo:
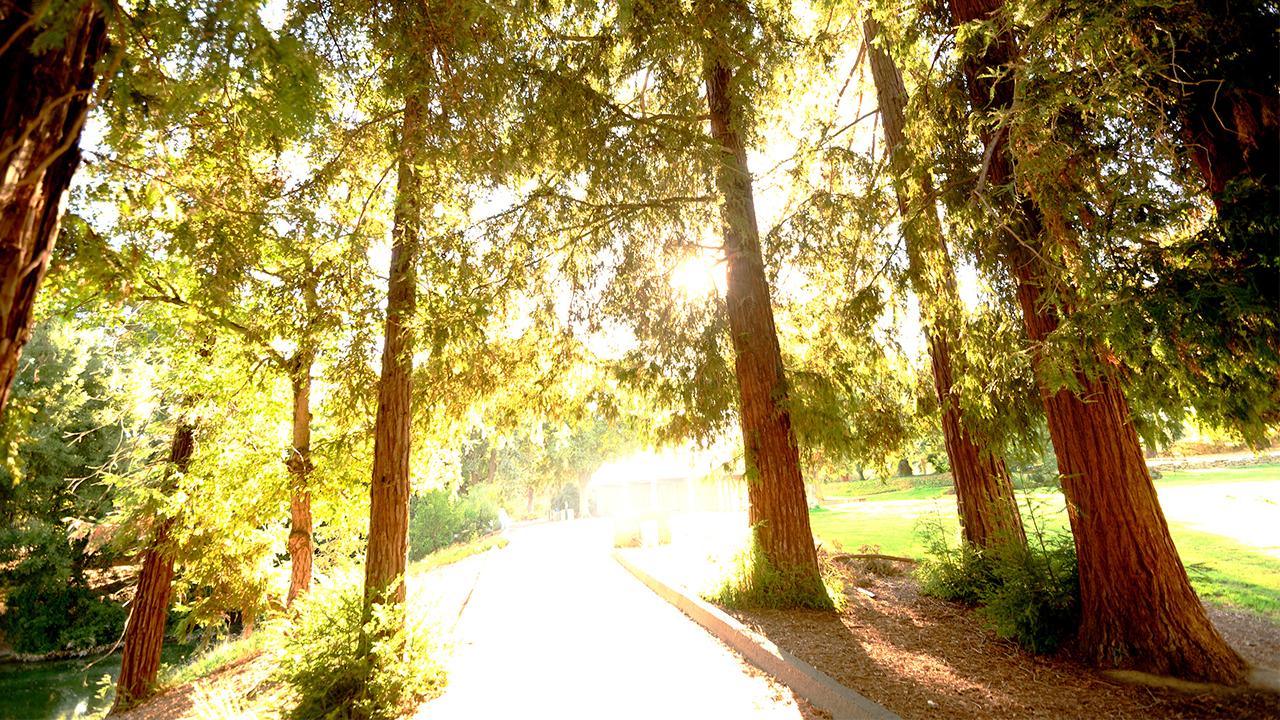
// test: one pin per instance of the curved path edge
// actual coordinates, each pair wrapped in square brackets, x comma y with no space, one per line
[808,682]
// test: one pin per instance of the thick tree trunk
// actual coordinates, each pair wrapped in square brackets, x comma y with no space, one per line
[144,633]
[46,97]
[1137,607]
[389,491]
[301,544]
[775,488]
[984,493]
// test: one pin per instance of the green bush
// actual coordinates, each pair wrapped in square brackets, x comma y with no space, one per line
[961,574]
[332,679]
[438,520]
[1029,595]
[1036,599]
[751,582]
[41,619]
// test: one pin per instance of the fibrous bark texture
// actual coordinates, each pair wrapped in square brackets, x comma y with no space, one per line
[144,633]
[775,488]
[45,99]
[389,491]
[1137,607]
[301,545]
[984,493]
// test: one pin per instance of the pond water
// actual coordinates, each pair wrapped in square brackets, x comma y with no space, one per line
[64,688]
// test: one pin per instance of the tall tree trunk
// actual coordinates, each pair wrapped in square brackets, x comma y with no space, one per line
[584,505]
[301,544]
[1137,606]
[144,632]
[389,491]
[46,97]
[775,488]
[984,493]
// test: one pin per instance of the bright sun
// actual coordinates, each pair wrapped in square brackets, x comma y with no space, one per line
[697,276]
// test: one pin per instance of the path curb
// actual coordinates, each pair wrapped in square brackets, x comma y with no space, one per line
[804,679]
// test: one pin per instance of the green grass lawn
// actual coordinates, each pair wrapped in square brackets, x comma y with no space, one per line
[1223,569]
[924,487]
[1205,476]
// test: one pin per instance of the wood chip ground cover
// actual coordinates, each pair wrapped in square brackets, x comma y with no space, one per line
[925,658]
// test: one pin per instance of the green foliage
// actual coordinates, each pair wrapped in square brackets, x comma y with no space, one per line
[1028,595]
[210,661]
[751,581]
[322,663]
[41,619]
[61,435]
[438,519]
[457,552]
[961,574]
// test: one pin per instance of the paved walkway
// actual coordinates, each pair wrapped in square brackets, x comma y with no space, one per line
[556,629]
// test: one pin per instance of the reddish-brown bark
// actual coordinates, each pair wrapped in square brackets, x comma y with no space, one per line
[389,491]
[775,488]
[144,633]
[1137,607]
[301,544]
[984,493]
[46,97]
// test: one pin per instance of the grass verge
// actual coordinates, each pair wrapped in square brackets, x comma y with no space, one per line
[203,664]
[460,551]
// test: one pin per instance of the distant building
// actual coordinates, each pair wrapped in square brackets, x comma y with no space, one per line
[652,482]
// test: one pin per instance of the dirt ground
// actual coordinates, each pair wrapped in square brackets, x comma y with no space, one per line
[925,658]
[242,689]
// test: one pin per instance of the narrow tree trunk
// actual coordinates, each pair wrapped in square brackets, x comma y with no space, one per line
[775,488]
[984,493]
[389,491]
[46,97]
[144,633]
[1137,607]
[301,545]
[583,505]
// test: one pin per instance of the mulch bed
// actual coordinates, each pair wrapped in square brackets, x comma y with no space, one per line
[925,658]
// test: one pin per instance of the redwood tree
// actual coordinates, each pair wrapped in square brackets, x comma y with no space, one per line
[301,544]
[779,511]
[1137,607]
[46,97]
[144,632]
[389,490]
[984,493]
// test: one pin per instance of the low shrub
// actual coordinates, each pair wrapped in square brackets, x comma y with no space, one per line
[332,679]
[963,574]
[437,519]
[1035,600]
[750,581]
[1029,595]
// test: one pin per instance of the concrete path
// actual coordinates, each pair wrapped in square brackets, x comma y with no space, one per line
[556,629]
